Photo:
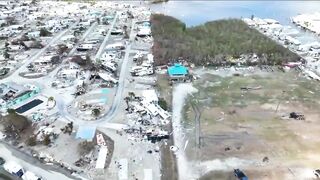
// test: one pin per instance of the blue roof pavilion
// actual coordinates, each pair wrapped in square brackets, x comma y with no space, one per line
[177,70]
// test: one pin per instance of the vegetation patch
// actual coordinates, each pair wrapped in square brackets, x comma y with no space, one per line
[214,43]
[14,124]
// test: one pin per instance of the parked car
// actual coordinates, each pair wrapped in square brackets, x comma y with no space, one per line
[239,174]
[30,176]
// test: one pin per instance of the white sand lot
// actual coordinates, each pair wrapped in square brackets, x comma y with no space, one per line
[180,92]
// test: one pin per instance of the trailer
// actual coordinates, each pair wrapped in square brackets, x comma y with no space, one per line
[14,168]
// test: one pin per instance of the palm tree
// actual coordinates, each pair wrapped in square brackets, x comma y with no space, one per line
[11,111]
[51,98]
[127,101]
[132,95]
[96,112]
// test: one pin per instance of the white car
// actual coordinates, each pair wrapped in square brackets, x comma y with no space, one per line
[30,176]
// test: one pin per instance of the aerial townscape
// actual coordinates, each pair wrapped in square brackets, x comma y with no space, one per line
[159,90]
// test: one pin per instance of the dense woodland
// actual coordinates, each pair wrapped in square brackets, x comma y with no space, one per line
[213,43]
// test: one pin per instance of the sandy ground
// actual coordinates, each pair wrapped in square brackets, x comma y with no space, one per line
[180,92]
[96,98]
[136,154]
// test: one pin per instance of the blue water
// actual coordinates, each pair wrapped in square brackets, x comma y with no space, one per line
[29,106]
[198,12]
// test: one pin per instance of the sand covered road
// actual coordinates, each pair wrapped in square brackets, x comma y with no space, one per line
[31,164]
[180,93]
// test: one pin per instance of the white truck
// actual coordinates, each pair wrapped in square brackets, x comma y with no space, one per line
[14,168]
[30,176]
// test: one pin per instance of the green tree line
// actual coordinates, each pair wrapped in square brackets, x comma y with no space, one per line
[212,42]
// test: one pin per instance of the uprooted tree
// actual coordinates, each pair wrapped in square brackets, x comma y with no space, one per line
[68,128]
[81,61]
[44,32]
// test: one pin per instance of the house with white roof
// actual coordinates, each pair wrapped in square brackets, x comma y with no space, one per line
[33,34]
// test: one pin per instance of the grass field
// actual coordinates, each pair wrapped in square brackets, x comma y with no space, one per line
[245,124]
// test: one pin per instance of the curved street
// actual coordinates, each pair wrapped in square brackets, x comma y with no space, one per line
[44,82]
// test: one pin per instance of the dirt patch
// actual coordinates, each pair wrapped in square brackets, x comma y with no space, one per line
[254,124]
[168,159]
[110,145]
[164,89]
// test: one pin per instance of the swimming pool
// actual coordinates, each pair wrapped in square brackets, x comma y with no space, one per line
[29,106]
[105,91]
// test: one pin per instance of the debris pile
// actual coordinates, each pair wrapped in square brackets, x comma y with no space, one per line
[146,117]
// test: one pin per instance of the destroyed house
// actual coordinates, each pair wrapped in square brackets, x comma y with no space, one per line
[44,60]
[143,32]
[177,72]
[85,47]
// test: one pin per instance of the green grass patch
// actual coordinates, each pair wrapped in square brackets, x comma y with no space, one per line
[226,91]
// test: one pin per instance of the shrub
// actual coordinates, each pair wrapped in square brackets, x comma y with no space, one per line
[31,141]
[96,112]
[163,104]
[11,111]
[46,140]
[44,32]
[62,48]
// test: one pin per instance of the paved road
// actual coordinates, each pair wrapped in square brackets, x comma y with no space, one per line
[4,175]
[61,102]
[43,82]
[102,122]
[104,43]
[29,163]
[123,75]
[15,75]
[85,35]
[105,120]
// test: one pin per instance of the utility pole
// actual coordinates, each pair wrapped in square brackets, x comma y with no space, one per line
[280,101]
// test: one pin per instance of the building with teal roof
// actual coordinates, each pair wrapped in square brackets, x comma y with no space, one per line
[178,72]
